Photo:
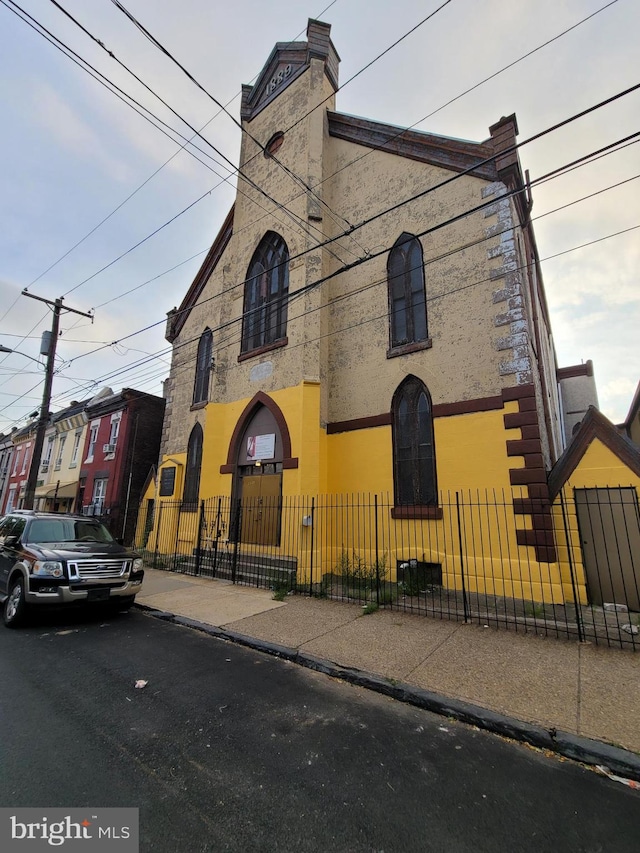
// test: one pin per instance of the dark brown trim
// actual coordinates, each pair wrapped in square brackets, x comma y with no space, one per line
[177,319]
[434,512]
[532,474]
[440,410]
[518,392]
[519,419]
[245,356]
[467,407]
[522,447]
[359,423]
[454,154]
[575,370]
[525,476]
[593,425]
[407,349]
[259,399]
[536,538]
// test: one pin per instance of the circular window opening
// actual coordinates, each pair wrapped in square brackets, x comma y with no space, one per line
[274,144]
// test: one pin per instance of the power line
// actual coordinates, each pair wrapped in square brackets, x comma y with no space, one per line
[301,223]
[114,374]
[516,146]
[234,341]
[338,237]
[544,178]
[115,87]
[357,263]
[296,178]
[416,196]
[145,182]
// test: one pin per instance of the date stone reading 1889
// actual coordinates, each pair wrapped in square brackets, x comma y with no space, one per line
[279,77]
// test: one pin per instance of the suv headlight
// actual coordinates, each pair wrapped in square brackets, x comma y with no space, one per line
[47,568]
[137,565]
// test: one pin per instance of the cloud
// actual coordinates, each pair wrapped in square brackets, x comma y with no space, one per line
[71,132]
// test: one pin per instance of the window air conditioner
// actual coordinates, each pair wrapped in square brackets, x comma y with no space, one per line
[44,467]
[108,448]
[89,509]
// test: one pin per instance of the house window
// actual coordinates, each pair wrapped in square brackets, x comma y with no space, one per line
[407,298]
[115,430]
[11,500]
[58,464]
[192,474]
[16,462]
[25,459]
[48,452]
[93,438]
[264,320]
[414,466]
[203,368]
[76,449]
[99,494]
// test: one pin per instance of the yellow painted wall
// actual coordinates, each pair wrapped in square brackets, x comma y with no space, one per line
[343,471]
[598,468]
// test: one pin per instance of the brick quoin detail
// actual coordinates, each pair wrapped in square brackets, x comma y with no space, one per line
[532,474]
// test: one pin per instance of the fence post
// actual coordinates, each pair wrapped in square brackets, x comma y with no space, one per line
[236,540]
[464,589]
[572,572]
[155,556]
[199,538]
[375,509]
[175,546]
[313,506]
[217,539]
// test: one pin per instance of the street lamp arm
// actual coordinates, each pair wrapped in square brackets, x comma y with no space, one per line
[17,352]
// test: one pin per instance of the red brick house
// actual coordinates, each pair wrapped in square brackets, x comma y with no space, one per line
[121,445]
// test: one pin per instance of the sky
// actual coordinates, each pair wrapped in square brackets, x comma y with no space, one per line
[85,179]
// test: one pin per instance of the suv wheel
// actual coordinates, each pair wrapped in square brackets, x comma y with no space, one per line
[15,607]
[124,603]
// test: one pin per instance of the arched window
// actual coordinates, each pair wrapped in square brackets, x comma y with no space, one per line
[414,466]
[265,294]
[407,299]
[203,367]
[192,473]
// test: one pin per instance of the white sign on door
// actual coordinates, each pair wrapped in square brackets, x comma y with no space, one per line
[261,447]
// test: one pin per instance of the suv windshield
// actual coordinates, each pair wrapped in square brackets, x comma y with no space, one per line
[67,530]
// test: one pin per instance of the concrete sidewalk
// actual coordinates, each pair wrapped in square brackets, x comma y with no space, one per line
[574,698]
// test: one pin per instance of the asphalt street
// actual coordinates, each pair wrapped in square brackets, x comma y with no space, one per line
[227,749]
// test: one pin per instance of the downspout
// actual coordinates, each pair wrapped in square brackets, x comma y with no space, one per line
[133,449]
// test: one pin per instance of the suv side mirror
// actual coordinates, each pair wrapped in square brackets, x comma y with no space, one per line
[11,541]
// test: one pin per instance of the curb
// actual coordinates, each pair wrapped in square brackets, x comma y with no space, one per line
[619,761]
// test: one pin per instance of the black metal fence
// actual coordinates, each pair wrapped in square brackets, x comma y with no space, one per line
[464,562]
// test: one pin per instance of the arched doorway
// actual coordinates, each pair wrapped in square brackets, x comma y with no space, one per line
[258,478]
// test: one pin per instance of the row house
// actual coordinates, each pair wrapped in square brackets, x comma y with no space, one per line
[121,446]
[17,474]
[57,484]
[6,459]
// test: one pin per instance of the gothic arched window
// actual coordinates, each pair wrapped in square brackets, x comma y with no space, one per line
[266,289]
[414,464]
[407,298]
[192,473]
[203,367]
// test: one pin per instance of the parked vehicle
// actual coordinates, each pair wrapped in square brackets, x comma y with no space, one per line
[49,559]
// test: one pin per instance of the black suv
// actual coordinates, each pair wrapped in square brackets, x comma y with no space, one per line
[49,558]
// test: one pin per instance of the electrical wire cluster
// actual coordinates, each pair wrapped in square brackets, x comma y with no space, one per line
[151,367]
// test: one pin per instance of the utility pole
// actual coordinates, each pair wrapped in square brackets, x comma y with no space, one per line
[30,489]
